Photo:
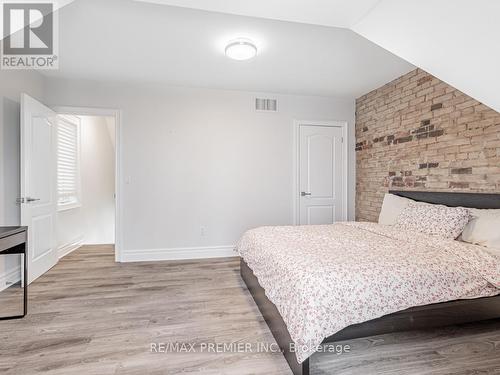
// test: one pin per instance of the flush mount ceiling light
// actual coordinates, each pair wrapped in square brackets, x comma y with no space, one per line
[241,49]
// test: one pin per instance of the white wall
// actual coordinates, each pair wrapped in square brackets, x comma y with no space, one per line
[12,84]
[195,158]
[93,222]
[98,180]
[455,40]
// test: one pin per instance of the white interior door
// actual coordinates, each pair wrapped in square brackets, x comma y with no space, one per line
[321,174]
[38,184]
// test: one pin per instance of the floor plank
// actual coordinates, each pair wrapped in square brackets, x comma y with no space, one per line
[90,315]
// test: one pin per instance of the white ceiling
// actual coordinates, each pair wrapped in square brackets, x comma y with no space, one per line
[124,40]
[338,13]
[455,40]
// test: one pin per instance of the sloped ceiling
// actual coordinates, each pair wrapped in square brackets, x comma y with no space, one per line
[147,43]
[457,41]
[337,13]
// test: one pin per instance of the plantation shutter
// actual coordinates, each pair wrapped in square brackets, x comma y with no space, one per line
[68,163]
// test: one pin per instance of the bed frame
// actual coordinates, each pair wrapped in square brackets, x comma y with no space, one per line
[428,316]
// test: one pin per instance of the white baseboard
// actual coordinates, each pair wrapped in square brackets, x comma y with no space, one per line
[147,255]
[10,277]
[65,249]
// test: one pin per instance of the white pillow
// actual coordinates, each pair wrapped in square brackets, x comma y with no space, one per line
[392,206]
[483,229]
[434,219]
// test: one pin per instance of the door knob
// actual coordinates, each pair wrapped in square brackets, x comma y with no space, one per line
[303,193]
[29,199]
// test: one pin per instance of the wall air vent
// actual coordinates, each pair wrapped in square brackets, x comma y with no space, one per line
[266,105]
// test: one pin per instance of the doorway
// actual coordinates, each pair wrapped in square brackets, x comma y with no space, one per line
[112,123]
[320,188]
[85,181]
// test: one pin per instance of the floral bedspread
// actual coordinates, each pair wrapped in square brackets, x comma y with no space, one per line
[323,278]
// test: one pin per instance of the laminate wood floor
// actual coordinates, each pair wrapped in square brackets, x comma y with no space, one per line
[89,315]
[11,300]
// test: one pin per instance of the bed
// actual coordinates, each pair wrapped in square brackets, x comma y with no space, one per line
[380,280]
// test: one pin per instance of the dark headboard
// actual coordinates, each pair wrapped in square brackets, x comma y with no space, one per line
[471,200]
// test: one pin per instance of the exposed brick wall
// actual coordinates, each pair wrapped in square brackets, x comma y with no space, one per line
[419,133]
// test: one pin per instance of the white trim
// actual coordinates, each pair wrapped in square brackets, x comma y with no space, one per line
[147,255]
[65,249]
[296,165]
[117,114]
[9,276]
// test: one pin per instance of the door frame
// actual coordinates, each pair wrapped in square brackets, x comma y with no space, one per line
[296,163]
[117,114]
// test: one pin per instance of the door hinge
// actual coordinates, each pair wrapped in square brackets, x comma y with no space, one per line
[342,139]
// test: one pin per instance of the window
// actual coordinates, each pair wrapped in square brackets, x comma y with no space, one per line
[68,162]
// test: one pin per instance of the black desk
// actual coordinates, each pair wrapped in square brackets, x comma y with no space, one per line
[13,241]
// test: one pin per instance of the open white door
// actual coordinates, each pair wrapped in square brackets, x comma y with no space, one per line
[38,184]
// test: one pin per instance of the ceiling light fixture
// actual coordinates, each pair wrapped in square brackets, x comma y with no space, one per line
[241,49]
